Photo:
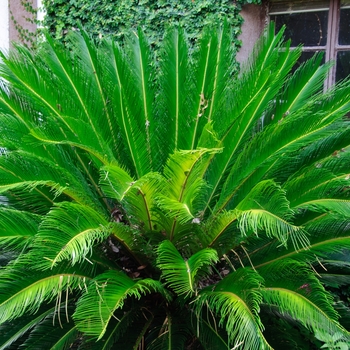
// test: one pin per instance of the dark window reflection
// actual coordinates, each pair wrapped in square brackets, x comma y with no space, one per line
[343,65]
[308,28]
[305,55]
[344,27]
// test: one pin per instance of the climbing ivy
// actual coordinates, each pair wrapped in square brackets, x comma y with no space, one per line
[115,18]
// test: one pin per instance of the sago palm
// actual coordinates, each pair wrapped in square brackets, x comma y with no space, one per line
[163,203]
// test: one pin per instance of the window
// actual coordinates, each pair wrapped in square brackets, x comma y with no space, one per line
[319,26]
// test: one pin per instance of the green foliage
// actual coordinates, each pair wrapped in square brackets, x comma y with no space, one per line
[159,203]
[154,16]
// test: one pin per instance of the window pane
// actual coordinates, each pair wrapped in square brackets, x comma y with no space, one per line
[283,6]
[344,27]
[307,28]
[305,55]
[343,65]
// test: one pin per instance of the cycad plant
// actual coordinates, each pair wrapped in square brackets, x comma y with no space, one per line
[164,203]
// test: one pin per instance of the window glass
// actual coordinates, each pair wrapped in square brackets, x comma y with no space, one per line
[307,28]
[343,65]
[283,6]
[344,27]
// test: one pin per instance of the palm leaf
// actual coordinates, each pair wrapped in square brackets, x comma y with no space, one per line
[142,105]
[236,301]
[115,181]
[117,329]
[300,295]
[55,332]
[69,232]
[184,171]
[211,77]
[21,170]
[173,333]
[75,85]
[119,86]
[105,294]
[306,81]
[17,228]
[173,101]
[89,56]
[182,275]
[25,292]
[261,86]
[13,331]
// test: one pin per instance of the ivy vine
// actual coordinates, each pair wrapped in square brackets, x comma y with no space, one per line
[115,18]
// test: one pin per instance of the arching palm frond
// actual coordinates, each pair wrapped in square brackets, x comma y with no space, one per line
[12,331]
[301,296]
[236,301]
[105,294]
[167,202]
[58,339]
[183,275]
[20,235]
[69,233]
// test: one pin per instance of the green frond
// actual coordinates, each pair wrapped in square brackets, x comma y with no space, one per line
[55,332]
[73,81]
[142,98]
[218,226]
[266,209]
[326,233]
[135,244]
[115,181]
[90,58]
[107,293]
[12,331]
[17,228]
[122,95]
[141,201]
[300,295]
[253,94]
[184,171]
[235,300]
[180,274]
[209,335]
[340,206]
[120,326]
[306,81]
[260,220]
[175,92]
[22,170]
[173,334]
[69,232]
[175,209]
[292,133]
[25,292]
[212,76]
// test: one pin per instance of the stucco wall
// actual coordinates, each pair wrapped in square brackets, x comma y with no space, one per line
[4,24]
[20,15]
[255,18]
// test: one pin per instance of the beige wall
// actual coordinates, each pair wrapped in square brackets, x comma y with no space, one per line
[20,15]
[4,25]
[255,19]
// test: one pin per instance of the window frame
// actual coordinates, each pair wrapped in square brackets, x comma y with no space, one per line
[332,46]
